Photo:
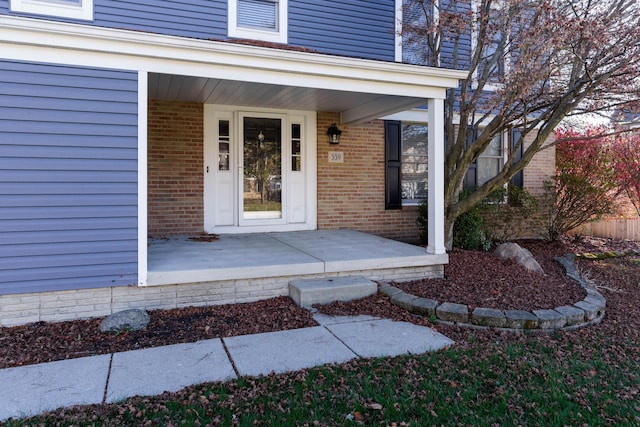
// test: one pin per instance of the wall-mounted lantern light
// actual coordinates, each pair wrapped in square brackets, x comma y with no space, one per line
[334,134]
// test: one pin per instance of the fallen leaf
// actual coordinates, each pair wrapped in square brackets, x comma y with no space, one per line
[374,406]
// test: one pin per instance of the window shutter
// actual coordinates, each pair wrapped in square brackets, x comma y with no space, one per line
[514,136]
[471,178]
[258,14]
[393,164]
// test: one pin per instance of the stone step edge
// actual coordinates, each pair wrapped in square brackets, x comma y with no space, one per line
[306,292]
[589,311]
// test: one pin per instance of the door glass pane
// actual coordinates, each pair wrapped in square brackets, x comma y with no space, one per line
[223,145]
[296,152]
[262,177]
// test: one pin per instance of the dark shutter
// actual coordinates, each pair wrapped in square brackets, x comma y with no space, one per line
[393,164]
[471,177]
[514,136]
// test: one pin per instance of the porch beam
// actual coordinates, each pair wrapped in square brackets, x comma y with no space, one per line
[435,113]
[381,106]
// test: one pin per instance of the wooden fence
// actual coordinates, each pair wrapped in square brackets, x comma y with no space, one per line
[619,229]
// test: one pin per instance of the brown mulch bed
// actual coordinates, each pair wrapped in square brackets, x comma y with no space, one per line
[480,280]
[44,342]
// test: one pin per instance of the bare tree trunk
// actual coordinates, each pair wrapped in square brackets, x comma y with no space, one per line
[448,234]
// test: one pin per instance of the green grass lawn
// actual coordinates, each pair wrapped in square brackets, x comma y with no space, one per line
[585,377]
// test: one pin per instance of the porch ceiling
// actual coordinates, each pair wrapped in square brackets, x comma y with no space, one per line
[353,106]
[220,72]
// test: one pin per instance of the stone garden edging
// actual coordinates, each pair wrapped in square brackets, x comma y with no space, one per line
[583,313]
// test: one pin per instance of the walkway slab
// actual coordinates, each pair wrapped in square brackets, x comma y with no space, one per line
[325,319]
[31,390]
[153,371]
[284,351]
[385,337]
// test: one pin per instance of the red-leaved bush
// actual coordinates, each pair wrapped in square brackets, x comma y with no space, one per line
[584,186]
[626,165]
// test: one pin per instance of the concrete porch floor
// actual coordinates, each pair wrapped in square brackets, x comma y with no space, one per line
[294,254]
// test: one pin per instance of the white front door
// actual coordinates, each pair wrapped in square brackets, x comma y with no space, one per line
[263,189]
[260,170]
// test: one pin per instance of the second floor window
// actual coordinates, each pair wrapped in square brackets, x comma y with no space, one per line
[264,20]
[258,14]
[72,9]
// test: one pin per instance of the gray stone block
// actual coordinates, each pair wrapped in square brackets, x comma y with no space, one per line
[403,300]
[521,255]
[591,311]
[389,290]
[574,315]
[424,306]
[126,320]
[305,293]
[452,312]
[550,319]
[520,319]
[488,317]
[596,300]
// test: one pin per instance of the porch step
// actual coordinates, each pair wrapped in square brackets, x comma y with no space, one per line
[305,293]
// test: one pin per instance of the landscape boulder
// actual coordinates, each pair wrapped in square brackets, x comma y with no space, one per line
[521,255]
[127,320]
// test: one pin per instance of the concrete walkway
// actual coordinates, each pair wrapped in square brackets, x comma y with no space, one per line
[31,390]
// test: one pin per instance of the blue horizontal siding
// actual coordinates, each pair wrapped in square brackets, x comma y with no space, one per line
[49,278]
[358,28]
[71,283]
[109,201]
[51,224]
[415,49]
[61,176]
[48,140]
[68,177]
[67,207]
[122,246]
[203,19]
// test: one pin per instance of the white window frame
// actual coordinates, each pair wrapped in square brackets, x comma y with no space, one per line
[490,87]
[82,10]
[503,157]
[279,36]
[425,156]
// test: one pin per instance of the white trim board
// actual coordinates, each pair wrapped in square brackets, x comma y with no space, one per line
[75,44]
[142,178]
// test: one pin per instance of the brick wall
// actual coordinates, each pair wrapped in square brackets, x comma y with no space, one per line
[351,194]
[175,162]
[541,167]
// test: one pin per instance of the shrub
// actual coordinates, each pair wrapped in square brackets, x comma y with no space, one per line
[468,230]
[504,209]
[423,221]
[627,167]
[584,186]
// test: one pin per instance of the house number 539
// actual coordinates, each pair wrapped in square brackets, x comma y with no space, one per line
[336,157]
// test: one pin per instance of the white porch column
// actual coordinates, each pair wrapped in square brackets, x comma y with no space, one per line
[436,177]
